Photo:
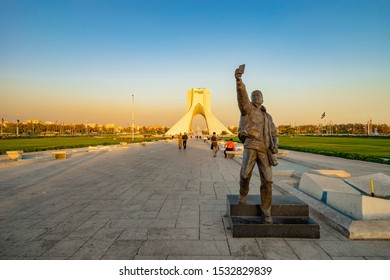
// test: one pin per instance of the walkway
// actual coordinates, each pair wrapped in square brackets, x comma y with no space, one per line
[152,202]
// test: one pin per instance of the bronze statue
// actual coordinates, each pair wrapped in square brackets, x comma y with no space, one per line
[260,137]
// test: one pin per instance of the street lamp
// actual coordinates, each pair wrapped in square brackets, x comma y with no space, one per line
[132,110]
[17,127]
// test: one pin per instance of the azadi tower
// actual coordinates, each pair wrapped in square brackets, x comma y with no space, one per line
[198,102]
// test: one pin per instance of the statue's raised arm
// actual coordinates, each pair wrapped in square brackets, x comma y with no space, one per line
[259,135]
[242,95]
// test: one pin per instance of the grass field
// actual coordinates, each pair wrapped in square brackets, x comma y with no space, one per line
[373,149]
[361,148]
[55,143]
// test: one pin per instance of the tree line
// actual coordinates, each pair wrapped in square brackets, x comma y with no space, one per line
[349,128]
[52,129]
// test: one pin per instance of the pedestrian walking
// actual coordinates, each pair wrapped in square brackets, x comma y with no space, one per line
[180,141]
[214,144]
[185,138]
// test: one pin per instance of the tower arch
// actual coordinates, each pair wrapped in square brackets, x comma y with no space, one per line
[198,103]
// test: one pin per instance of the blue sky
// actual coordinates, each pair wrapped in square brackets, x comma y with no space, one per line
[80,61]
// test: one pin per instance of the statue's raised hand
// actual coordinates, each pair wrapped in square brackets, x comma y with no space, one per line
[239,71]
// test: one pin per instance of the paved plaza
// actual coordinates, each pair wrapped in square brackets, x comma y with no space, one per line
[153,202]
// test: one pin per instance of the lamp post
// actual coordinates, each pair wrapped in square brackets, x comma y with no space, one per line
[132,110]
[17,124]
[17,127]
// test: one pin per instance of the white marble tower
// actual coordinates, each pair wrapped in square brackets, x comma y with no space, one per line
[198,102]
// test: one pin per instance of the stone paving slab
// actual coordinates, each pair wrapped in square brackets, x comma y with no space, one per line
[152,202]
[306,250]
[185,248]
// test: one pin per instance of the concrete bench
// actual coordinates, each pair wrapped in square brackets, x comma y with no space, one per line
[123,145]
[93,149]
[14,155]
[232,154]
[98,148]
[281,154]
[59,155]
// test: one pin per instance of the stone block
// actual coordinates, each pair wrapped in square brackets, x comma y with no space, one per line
[14,155]
[290,218]
[333,173]
[317,186]
[282,154]
[282,205]
[381,184]
[59,155]
[374,229]
[284,227]
[360,207]
[99,148]
[93,149]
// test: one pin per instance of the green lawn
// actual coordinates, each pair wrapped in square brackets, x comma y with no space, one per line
[53,143]
[375,149]
[362,148]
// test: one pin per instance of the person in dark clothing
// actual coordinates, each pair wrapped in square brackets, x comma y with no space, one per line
[214,144]
[185,138]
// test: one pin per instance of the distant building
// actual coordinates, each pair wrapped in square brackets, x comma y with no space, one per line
[32,122]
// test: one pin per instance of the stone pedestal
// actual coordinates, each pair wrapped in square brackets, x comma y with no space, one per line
[290,218]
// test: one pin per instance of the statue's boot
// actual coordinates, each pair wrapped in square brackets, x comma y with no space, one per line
[266,201]
[244,189]
[242,199]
